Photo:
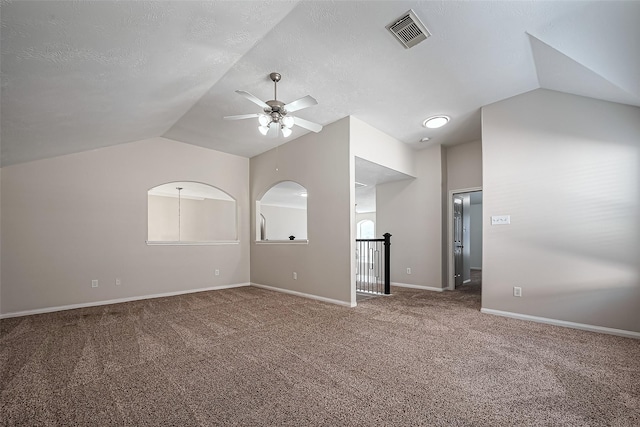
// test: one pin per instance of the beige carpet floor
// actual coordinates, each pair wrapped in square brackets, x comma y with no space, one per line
[249,356]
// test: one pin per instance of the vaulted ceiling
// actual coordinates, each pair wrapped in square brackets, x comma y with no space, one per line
[77,76]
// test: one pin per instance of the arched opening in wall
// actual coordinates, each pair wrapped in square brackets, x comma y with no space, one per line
[366,229]
[281,213]
[186,212]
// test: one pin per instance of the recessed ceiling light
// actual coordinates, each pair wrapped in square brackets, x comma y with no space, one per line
[435,122]
[425,139]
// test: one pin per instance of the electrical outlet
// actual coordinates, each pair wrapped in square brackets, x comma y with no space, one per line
[94,283]
[517,291]
[295,276]
[408,270]
[118,282]
[217,272]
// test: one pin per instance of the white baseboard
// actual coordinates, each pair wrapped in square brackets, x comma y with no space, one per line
[564,323]
[426,288]
[116,301]
[302,294]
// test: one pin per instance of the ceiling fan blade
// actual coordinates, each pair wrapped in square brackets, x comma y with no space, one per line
[241,116]
[252,98]
[313,127]
[274,130]
[299,104]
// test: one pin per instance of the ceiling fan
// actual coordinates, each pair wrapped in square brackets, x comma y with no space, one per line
[276,116]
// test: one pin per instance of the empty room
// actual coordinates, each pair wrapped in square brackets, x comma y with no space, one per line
[320,213]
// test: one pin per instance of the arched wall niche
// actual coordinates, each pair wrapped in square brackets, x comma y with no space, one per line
[188,212]
[281,213]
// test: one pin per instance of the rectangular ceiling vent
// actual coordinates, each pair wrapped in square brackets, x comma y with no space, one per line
[409,30]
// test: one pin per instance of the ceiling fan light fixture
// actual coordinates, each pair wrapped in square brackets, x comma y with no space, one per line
[263,129]
[286,131]
[264,120]
[288,121]
[435,122]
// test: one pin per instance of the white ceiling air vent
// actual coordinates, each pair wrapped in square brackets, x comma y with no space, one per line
[408,29]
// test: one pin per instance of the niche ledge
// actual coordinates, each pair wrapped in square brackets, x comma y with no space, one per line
[282,242]
[213,243]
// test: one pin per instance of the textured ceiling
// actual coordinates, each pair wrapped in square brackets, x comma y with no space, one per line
[82,75]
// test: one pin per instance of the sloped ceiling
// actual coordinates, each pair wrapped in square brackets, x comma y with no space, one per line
[82,75]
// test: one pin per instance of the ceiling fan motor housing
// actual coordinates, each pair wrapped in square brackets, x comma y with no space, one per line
[275,106]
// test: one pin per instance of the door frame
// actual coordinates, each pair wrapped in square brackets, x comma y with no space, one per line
[451,283]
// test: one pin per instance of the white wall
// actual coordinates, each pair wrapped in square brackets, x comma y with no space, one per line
[411,211]
[476,236]
[283,222]
[376,146]
[567,170]
[320,163]
[71,219]
[205,220]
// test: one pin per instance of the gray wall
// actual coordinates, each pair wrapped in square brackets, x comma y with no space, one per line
[567,170]
[74,218]
[411,211]
[462,169]
[464,165]
[0,240]
[320,163]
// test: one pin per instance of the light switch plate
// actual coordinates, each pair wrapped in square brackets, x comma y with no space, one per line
[500,219]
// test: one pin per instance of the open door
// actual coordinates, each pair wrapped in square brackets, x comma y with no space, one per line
[457,240]
[465,241]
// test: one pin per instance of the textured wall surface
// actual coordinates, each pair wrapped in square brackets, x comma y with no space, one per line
[80,217]
[464,166]
[567,170]
[411,211]
[320,163]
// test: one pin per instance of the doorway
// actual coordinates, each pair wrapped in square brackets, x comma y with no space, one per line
[465,237]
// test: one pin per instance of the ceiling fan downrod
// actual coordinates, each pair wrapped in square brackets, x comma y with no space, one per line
[275,106]
[275,77]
